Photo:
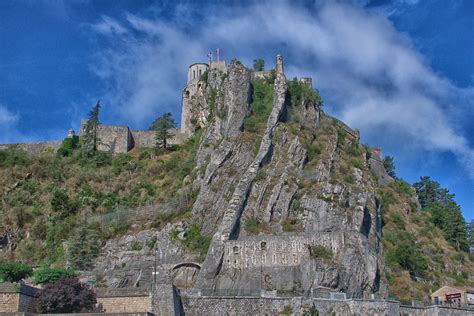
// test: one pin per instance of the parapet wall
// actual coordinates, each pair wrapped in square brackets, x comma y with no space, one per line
[273,251]
[195,305]
[35,148]
[435,311]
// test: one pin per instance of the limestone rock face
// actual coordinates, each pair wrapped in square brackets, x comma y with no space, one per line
[276,186]
[302,182]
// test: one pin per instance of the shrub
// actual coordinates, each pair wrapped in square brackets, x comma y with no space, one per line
[14,271]
[261,106]
[312,150]
[13,156]
[406,254]
[320,252]
[193,240]
[66,295]
[136,246]
[62,204]
[353,150]
[46,275]
[287,310]
[253,226]
[68,146]
[401,187]
[397,219]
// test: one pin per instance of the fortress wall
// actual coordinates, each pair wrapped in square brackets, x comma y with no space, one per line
[35,148]
[114,139]
[265,74]
[144,138]
[435,311]
[195,305]
[273,251]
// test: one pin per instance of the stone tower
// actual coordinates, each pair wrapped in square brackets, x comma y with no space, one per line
[279,64]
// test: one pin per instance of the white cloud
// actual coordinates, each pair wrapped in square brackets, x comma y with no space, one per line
[369,74]
[7,118]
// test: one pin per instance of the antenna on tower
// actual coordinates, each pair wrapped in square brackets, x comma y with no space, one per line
[210,57]
[217,53]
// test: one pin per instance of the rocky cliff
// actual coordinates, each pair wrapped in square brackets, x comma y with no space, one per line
[269,178]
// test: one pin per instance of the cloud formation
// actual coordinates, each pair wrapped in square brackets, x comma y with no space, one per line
[8,121]
[368,73]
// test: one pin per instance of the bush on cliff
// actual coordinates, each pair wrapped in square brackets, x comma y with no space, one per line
[45,275]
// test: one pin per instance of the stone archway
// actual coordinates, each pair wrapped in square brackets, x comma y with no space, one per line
[184,274]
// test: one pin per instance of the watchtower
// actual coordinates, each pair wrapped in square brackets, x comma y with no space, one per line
[279,64]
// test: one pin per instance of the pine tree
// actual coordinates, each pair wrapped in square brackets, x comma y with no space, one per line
[389,166]
[83,247]
[445,212]
[90,139]
[258,64]
[162,126]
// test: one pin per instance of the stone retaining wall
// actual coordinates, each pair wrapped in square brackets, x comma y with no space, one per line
[124,300]
[434,311]
[194,306]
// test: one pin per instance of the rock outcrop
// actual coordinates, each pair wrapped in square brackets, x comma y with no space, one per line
[302,179]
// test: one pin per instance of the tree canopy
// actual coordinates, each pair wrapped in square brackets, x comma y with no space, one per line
[389,166]
[445,212]
[259,64]
[89,138]
[162,126]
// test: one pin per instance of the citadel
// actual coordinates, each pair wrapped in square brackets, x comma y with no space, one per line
[264,274]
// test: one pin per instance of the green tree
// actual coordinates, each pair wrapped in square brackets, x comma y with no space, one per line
[258,64]
[470,233]
[389,166]
[445,212]
[90,139]
[162,126]
[14,271]
[83,247]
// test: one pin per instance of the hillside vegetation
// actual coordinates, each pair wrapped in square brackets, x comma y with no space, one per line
[59,208]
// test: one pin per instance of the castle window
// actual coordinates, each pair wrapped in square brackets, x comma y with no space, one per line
[187,94]
[236,250]
[200,72]
[263,245]
[194,74]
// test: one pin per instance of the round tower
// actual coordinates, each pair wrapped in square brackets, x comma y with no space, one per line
[279,64]
[195,71]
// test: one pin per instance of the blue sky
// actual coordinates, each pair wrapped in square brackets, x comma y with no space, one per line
[400,71]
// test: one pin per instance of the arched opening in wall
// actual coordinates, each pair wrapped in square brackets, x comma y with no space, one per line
[235,250]
[194,74]
[200,72]
[186,94]
[184,275]
[263,245]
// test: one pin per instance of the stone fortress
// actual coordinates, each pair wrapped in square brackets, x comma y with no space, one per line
[260,253]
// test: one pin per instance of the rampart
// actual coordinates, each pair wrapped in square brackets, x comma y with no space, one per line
[35,148]
[200,305]
[272,251]
[124,300]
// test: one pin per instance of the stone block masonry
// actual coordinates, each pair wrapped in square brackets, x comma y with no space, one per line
[274,251]
[124,300]
[35,148]
[17,298]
